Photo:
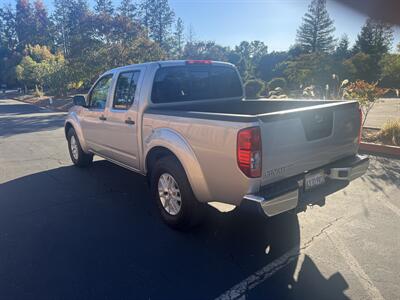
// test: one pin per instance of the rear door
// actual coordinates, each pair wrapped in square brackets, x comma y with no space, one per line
[121,128]
[298,141]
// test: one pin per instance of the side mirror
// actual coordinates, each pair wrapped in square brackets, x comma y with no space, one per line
[79,100]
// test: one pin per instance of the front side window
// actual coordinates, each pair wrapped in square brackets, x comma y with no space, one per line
[98,95]
[190,83]
[125,90]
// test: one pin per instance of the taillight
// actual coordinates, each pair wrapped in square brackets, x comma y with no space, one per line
[198,62]
[249,151]
[360,130]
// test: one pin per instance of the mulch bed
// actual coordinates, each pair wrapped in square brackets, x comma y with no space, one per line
[371,135]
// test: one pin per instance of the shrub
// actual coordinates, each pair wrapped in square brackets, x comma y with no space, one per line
[365,93]
[391,131]
[254,88]
[277,82]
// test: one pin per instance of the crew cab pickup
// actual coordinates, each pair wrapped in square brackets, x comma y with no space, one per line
[188,127]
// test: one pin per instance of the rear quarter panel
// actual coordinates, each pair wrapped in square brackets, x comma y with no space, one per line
[214,174]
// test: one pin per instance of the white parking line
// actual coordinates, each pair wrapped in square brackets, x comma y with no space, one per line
[261,275]
[239,291]
[355,267]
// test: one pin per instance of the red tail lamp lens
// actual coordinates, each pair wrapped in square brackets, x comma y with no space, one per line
[249,151]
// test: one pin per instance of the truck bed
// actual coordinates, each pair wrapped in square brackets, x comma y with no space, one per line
[246,110]
[297,135]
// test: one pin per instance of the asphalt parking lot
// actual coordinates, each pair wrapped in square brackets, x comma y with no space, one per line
[69,233]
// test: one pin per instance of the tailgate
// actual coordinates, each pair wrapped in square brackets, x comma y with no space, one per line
[296,141]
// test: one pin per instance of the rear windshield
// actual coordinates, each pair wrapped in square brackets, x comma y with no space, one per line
[189,83]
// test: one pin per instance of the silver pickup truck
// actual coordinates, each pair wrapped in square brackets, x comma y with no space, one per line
[187,126]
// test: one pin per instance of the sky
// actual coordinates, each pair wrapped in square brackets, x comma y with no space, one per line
[275,22]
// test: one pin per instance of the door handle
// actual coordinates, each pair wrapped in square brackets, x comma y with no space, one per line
[130,121]
[103,118]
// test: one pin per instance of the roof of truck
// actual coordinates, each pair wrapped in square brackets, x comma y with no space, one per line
[164,63]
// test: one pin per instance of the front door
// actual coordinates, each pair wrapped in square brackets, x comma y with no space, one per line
[94,116]
[122,129]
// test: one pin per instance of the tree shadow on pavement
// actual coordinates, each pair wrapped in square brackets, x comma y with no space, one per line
[19,109]
[384,171]
[16,125]
[94,233]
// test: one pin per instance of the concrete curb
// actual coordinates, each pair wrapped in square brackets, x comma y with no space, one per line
[380,149]
[372,128]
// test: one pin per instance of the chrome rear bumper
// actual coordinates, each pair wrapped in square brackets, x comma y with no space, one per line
[284,196]
[349,173]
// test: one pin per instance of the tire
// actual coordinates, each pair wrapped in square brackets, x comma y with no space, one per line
[190,210]
[78,156]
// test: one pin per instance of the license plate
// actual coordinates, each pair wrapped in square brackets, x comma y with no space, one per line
[313,180]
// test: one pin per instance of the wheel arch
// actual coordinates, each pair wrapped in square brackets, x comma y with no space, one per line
[72,123]
[164,142]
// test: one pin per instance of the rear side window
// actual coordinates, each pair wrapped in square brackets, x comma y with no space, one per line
[189,83]
[125,90]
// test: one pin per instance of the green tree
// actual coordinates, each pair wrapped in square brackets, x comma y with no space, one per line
[248,56]
[342,50]
[80,23]
[205,50]
[8,33]
[361,66]
[128,9]
[38,68]
[103,21]
[179,38]
[73,26]
[191,34]
[315,33]
[42,25]
[158,17]
[60,18]
[309,69]
[390,65]
[24,23]
[269,65]
[104,7]
[375,38]
[9,57]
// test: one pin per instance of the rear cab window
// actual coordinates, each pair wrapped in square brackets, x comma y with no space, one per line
[195,82]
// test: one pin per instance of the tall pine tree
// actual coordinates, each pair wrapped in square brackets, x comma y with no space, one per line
[179,38]
[375,38]
[158,17]
[315,33]
[104,7]
[60,19]
[342,49]
[24,23]
[127,9]
[42,25]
